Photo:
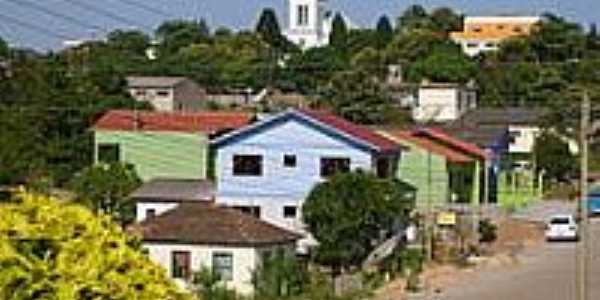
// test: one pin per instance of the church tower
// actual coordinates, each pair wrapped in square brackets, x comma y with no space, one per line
[306,23]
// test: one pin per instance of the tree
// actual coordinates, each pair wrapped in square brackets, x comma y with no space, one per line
[106,188]
[385,31]
[414,17]
[339,33]
[180,33]
[446,20]
[133,41]
[268,27]
[443,66]
[280,276]
[348,213]
[358,97]
[553,157]
[4,50]
[51,249]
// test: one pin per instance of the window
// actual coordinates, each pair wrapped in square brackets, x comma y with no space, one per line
[150,213]
[249,210]
[163,93]
[331,166]
[222,265]
[180,264]
[500,27]
[513,135]
[289,161]
[472,45]
[140,92]
[109,153]
[289,212]
[517,29]
[302,17]
[491,45]
[247,165]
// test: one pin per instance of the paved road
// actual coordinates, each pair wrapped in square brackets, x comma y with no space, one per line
[545,273]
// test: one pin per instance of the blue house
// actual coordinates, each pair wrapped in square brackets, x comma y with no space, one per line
[269,168]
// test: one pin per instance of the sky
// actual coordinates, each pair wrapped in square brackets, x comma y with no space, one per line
[24,26]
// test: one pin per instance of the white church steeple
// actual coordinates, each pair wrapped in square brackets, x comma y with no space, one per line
[306,23]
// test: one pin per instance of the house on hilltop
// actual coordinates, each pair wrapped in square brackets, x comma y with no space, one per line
[167,94]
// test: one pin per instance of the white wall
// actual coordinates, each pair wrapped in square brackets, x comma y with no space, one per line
[159,207]
[524,138]
[245,261]
[311,35]
[473,47]
[160,103]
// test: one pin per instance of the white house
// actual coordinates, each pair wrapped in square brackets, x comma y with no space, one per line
[443,102]
[197,235]
[269,168]
[485,33]
[167,94]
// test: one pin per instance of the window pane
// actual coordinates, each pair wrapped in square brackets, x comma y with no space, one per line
[289,212]
[223,266]
[180,264]
[332,166]
[109,153]
[289,161]
[247,165]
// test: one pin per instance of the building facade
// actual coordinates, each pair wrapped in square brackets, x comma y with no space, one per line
[202,236]
[307,23]
[270,168]
[167,93]
[485,33]
[161,145]
[443,102]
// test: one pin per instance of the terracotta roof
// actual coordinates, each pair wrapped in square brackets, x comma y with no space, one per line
[208,224]
[209,122]
[154,81]
[428,144]
[456,143]
[174,190]
[359,132]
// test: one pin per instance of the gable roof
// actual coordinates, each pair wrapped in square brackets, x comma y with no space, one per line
[454,142]
[487,136]
[337,125]
[428,144]
[154,81]
[174,190]
[207,224]
[207,122]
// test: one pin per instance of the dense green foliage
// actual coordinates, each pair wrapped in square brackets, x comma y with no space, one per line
[553,157]
[347,213]
[339,32]
[105,189]
[53,250]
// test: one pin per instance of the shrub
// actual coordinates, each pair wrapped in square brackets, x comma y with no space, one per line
[487,231]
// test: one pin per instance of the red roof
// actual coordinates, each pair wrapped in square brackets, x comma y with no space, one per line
[209,122]
[356,131]
[469,148]
[430,145]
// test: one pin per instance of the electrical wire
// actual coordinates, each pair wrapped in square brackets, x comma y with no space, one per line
[85,5]
[34,27]
[55,14]
[147,8]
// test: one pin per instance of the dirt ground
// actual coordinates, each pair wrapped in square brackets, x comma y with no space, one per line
[513,236]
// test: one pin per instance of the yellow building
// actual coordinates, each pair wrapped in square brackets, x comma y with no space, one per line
[486,33]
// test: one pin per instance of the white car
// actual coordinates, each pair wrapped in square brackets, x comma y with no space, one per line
[561,228]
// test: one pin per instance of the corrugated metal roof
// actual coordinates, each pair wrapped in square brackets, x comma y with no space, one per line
[174,190]
[207,122]
[154,81]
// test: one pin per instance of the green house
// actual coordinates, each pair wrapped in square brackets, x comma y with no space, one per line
[162,145]
[444,170]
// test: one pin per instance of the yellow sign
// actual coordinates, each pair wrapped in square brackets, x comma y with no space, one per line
[446,218]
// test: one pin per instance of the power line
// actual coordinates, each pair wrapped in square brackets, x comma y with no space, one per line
[50,12]
[105,13]
[35,28]
[147,8]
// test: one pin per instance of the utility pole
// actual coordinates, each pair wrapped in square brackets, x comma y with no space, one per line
[583,251]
